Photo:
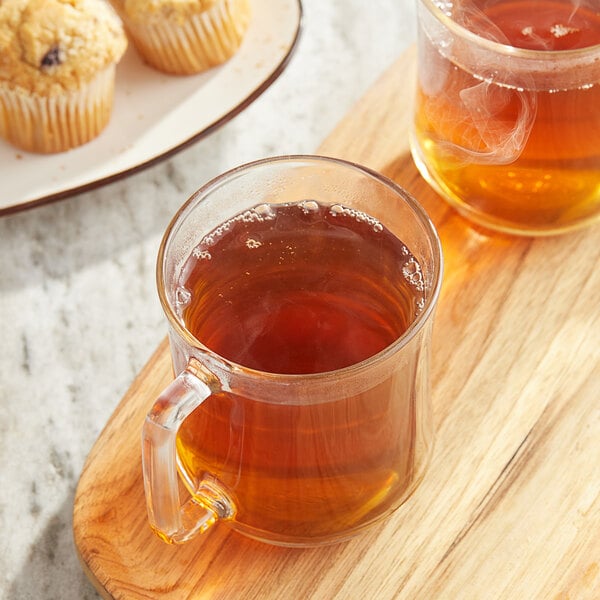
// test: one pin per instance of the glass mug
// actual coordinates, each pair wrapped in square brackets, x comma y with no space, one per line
[507,111]
[299,293]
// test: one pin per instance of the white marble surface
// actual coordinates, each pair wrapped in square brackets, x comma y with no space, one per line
[79,314]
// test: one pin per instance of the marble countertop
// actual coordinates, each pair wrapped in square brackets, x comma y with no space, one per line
[79,313]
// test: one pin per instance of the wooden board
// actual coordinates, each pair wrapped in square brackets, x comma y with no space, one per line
[510,507]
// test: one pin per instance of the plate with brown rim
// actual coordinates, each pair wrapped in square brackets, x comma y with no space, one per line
[155,115]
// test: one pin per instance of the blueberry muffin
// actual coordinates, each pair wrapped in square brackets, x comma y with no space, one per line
[57,71]
[183,37]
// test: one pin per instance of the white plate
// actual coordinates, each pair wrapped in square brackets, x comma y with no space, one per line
[155,115]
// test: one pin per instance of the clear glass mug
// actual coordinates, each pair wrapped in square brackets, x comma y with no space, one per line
[507,111]
[293,458]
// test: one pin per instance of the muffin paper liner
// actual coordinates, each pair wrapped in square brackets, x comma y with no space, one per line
[56,123]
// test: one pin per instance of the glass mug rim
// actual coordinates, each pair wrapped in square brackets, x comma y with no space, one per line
[197,197]
[507,49]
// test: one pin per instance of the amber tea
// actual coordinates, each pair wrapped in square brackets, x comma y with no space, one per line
[511,136]
[303,288]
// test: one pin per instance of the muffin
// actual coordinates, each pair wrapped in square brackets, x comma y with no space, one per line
[57,71]
[183,37]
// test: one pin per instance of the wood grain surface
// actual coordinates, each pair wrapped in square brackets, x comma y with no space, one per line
[510,506]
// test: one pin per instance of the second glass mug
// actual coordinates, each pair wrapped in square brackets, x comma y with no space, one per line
[288,458]
[506,123]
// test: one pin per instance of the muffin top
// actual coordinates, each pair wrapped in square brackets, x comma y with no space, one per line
[175,11]
[51,46]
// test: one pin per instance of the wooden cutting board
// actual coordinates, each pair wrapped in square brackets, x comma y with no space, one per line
[510,507]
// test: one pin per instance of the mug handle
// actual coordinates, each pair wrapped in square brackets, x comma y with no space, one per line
[174,521]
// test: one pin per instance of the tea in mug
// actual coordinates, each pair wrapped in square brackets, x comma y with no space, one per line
[295,289]
[511,142]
